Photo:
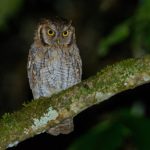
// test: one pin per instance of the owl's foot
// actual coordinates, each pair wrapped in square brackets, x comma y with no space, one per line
[63,128]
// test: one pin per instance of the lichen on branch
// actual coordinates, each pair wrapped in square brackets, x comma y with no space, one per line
[39,115]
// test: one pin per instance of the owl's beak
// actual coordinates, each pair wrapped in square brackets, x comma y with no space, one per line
[58,41]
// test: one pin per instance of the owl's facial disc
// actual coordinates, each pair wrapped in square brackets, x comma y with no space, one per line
[47,36]
[58,35]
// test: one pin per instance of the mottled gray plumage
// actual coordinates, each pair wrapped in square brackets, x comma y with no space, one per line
[54,63]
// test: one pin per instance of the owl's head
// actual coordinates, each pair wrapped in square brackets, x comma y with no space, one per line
[55,32]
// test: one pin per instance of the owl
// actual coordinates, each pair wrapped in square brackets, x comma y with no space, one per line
[54,63]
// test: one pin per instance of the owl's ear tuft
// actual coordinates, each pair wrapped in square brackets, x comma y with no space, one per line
[70,22]
[43,21]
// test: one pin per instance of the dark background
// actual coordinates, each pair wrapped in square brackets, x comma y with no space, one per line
[107,31]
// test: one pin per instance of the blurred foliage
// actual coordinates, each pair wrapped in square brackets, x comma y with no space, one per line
[118,34]
[136,28]
[123,131]
[8,8]
[105,136]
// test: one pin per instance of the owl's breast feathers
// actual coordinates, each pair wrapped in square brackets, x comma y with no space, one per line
[53,70]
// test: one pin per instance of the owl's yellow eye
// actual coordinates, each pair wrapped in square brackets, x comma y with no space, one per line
[65,33]
[50,32]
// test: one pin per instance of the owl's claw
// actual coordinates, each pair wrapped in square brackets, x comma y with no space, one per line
[65,127]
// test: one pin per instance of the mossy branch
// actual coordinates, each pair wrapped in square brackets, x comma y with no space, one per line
[39,115]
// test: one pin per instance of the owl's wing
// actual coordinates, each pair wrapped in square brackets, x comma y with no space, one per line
[79,64]
[31,70]
[80,68]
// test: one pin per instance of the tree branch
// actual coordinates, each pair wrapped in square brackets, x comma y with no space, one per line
[39,115]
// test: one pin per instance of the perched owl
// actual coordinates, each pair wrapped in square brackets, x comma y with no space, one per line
[54,63]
